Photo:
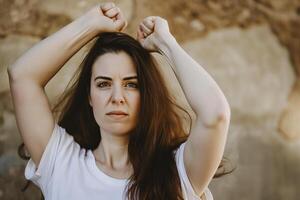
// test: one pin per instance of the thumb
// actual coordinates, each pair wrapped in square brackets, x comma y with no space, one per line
[120,22]
[120,25]
[140,36]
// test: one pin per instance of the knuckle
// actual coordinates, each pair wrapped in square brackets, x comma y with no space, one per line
[100,6]
[107,6]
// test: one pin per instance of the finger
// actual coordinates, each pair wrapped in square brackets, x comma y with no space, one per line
[121,25]
[121,21]
[149,23]
[145,29]
[106,6]
[120,16]
[151,18]
[112,12]
[140,35]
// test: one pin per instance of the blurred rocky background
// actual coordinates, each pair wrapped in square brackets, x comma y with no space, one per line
[250,47]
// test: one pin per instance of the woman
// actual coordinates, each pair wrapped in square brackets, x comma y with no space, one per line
[119,134]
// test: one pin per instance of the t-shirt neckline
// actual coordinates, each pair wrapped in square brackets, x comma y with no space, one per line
[103,176]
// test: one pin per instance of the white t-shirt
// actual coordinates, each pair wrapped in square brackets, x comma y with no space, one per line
[65,172]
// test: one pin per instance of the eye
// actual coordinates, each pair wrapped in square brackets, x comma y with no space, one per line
[103,84]
[132,84]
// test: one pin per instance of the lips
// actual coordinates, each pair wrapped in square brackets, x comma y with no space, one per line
[117,113]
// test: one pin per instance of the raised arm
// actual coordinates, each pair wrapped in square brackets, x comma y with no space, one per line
[32,71]
[205,145]
[43,61]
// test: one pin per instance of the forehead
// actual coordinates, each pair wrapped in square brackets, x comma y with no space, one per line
[114,65]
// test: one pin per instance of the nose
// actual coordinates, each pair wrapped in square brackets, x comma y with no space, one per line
[117,96]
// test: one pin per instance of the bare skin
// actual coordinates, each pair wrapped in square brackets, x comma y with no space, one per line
[119,93]
[32,71]
[205,145]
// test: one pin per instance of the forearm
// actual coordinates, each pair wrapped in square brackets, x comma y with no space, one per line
[202,92]
[44,60]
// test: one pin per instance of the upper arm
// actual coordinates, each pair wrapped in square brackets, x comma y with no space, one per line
[203,152]
[33,115]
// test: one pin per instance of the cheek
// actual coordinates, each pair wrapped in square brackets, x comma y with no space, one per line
[137,103]
[98,97]
[97,101]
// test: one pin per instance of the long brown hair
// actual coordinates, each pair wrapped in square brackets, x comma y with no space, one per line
[159,129]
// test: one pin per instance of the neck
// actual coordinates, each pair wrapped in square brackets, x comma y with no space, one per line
[112,151]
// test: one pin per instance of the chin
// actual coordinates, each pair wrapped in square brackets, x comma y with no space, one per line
[119,130]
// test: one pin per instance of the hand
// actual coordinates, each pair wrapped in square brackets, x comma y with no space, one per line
[153,33]
[106,17]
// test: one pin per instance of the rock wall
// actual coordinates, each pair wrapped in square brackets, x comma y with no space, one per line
[251,48]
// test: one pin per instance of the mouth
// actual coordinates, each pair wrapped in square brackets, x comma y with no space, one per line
[117,113]
[117,116]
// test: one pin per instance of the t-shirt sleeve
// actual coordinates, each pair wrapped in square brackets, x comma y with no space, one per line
[59,146]
[185,182]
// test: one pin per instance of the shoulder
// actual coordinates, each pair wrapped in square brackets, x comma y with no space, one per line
[187,188]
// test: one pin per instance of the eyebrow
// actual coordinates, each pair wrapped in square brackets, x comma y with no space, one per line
[108,78]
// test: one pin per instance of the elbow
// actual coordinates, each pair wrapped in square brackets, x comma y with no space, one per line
[9,70]
[219,119]
[15,74]
[224,114]
[11,73]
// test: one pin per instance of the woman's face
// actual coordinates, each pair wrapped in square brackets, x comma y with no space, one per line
[114,87]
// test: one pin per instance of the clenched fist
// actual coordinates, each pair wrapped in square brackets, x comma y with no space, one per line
[106,17]
[153,33]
